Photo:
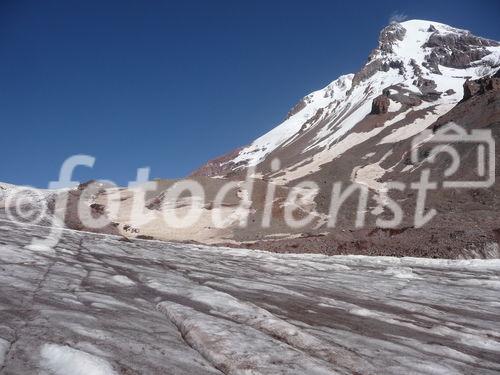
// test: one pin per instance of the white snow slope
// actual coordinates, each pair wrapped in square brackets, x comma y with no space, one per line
[337,108]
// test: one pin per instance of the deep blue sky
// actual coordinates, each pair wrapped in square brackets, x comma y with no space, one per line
[170,84]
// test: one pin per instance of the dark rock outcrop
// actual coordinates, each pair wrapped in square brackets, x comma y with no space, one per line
[480,86]
[471,88]
[380,105]
[389,36]
[398,64]
[456,50]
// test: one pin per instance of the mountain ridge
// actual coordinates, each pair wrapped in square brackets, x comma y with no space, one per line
[409,55]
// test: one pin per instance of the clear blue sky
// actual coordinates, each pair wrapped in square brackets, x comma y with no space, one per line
[170,84]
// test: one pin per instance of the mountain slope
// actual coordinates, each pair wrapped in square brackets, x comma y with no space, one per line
[423,75]
[413,77]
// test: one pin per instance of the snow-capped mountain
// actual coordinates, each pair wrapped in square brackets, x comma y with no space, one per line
[359,129]
[423,75]
[414,76]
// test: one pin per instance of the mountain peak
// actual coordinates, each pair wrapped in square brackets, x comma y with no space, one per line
[431,43]
[415,74]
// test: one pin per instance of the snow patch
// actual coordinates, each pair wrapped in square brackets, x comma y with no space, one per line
[394,106]
[124,280]
[369,175]
[39,248]
[401,273]
[4,348]
[417,126]
[361,312]
[64,360]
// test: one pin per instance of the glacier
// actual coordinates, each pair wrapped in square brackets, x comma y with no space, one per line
[98,304]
